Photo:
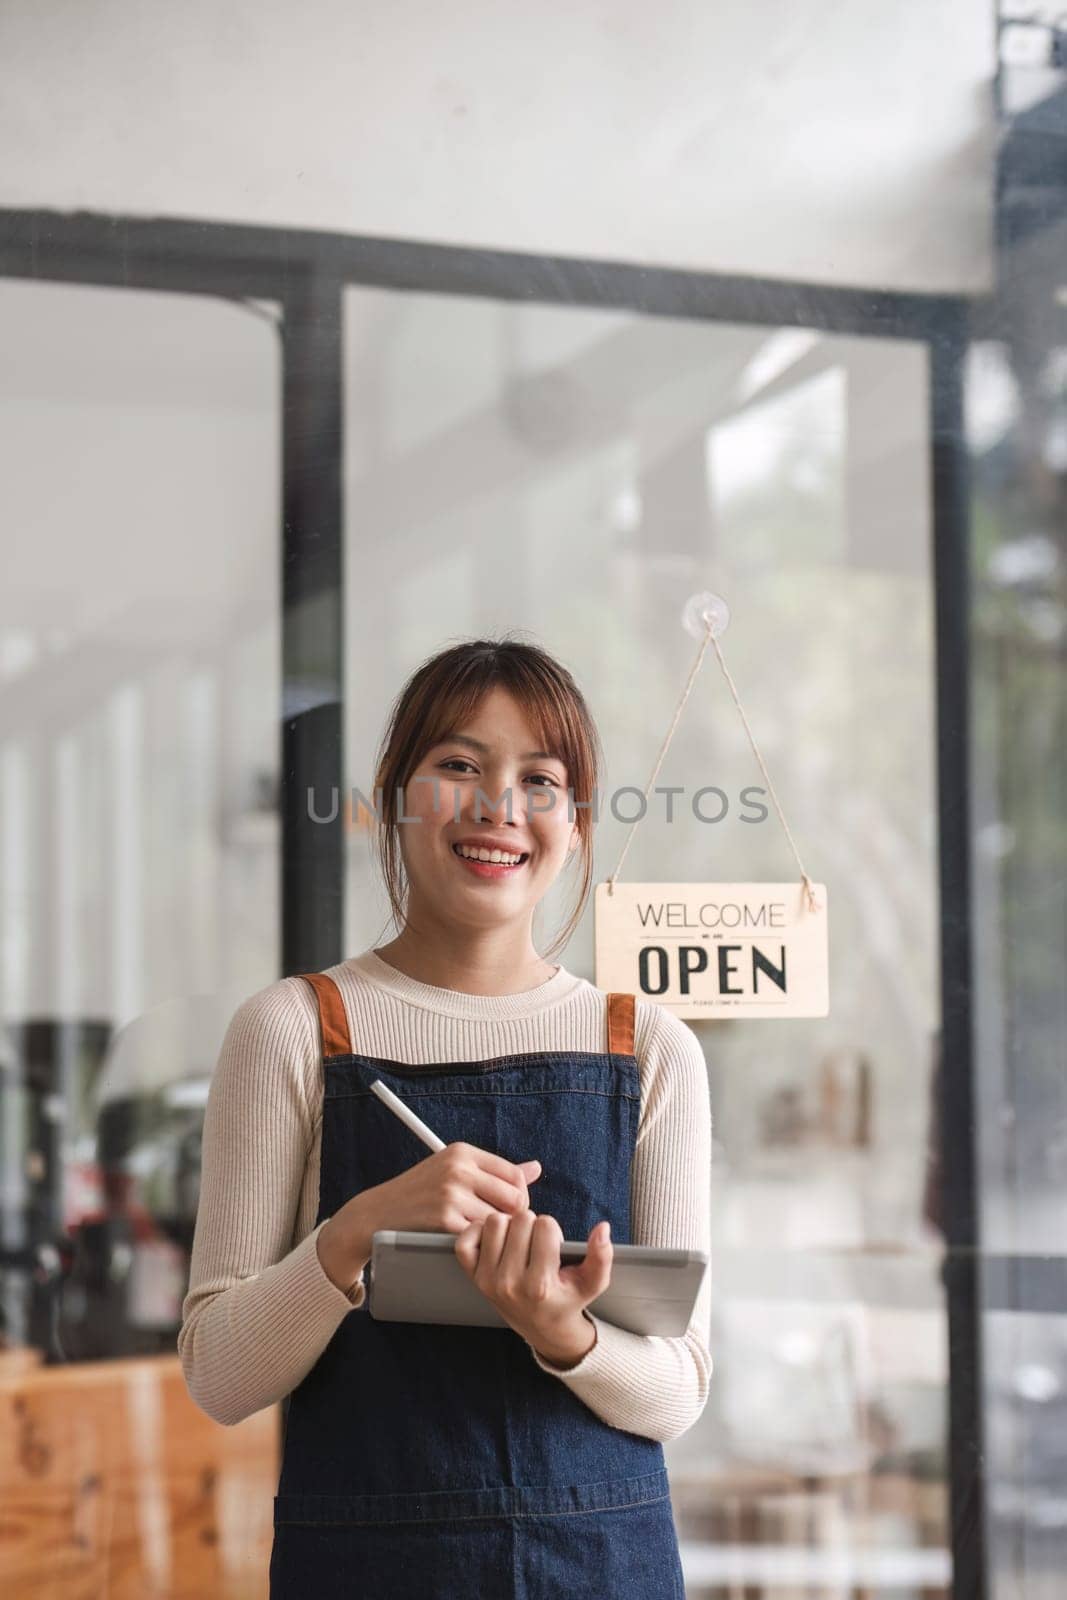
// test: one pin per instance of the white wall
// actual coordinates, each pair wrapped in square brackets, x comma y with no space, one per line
[786,138]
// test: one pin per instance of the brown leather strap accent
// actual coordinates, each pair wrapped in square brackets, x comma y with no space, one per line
[621,1024]
[336,1040]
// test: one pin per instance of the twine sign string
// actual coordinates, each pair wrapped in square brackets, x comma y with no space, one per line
[709,638]
[662,752]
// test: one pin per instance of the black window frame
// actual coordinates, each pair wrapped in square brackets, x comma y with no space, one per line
[306,273]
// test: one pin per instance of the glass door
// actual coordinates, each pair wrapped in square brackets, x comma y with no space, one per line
[578,474]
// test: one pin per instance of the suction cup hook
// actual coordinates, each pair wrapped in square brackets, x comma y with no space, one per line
[704,611]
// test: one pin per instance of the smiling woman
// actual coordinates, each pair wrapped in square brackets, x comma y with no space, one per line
[490,745]
[448,1460]
[499,820]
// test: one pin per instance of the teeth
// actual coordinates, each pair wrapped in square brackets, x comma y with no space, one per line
[503,857]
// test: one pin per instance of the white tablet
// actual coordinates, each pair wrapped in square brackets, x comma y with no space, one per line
[417,1277]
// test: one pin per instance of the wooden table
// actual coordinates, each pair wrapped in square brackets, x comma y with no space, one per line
[113,1483]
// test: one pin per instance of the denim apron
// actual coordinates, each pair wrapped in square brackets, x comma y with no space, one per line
[435,1462]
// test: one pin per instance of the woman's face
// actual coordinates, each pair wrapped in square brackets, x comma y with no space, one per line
[460,793]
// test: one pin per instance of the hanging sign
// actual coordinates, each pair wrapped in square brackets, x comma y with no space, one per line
[715,949]
[740,950]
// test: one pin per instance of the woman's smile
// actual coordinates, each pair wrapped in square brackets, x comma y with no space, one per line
[502,866]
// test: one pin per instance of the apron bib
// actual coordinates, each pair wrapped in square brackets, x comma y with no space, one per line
[431,1462]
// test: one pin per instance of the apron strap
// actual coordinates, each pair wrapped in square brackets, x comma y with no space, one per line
[336,1039]
[621,1024]
[333,1023]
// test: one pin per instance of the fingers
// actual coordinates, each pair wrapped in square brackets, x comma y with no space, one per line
[499,1245]
[505,1244]
[468,1242]
[503,1251]
[501,1195]
[599,1253]
[515,1255]
[500,1184]
[499,1166]
[545,1240]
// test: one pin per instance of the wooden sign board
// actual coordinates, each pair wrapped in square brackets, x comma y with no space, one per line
[716,949]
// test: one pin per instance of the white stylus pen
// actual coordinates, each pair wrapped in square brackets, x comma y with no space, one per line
[416,1124]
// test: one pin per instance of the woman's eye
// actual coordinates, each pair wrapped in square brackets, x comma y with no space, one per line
[542,779]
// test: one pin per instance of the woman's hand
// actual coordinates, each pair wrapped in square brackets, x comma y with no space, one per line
[442,1193]
[515,1262]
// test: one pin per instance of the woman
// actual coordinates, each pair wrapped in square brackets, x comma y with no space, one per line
[425,1461]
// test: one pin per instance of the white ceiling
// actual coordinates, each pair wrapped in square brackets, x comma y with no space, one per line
[802,139]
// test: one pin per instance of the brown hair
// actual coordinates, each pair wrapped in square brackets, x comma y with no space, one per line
[438,698]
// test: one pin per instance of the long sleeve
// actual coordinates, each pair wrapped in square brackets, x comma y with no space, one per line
[651,1385]
[258,1313]
[260,1309]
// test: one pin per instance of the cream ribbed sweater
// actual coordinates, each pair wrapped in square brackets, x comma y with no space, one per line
[260,1309]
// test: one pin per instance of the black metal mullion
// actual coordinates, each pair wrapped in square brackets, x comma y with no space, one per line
[957,1120]
[181,256]
[312,697]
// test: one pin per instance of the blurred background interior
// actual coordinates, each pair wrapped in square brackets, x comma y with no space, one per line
[330,335]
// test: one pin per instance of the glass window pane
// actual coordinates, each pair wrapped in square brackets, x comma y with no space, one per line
[139,673]
[579,474]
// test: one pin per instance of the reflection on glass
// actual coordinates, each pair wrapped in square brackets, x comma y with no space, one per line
[1016,397]
[139,644]
[579,474]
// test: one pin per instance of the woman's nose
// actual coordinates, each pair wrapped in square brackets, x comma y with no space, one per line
[495,805]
